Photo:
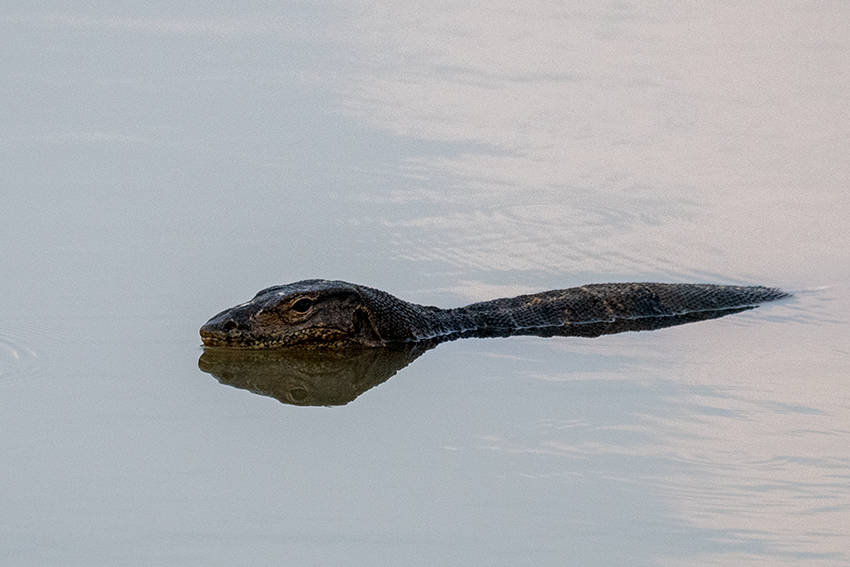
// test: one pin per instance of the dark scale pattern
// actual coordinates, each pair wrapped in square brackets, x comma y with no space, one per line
[609,302]
[341,315]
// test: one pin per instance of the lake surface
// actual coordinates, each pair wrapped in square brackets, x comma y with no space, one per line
[160,162]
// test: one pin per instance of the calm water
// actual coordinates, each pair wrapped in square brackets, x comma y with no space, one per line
[159,163]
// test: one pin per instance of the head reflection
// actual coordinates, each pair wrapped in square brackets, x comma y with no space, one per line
[309,377]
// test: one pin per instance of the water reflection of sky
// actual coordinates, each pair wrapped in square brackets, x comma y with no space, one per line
[162,162]
[640,118]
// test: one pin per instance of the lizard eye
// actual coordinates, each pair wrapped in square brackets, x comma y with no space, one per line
[302,305]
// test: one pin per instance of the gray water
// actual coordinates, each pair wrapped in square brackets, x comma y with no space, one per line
[160,162]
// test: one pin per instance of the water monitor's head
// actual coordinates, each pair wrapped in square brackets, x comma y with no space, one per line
[305,314]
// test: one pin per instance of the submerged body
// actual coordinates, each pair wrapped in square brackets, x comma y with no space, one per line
[337,314]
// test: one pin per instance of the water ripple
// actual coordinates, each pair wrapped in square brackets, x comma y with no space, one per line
[20,357]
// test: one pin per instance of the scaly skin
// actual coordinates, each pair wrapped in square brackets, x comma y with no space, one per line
[341,315]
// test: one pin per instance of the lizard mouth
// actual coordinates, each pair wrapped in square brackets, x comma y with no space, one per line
[216,338]
[213,336]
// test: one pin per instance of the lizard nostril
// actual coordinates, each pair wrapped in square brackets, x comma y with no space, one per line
[229,326]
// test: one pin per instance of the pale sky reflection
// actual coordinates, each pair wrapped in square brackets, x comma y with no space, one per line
[217,27]
[742,109]
[751,445]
